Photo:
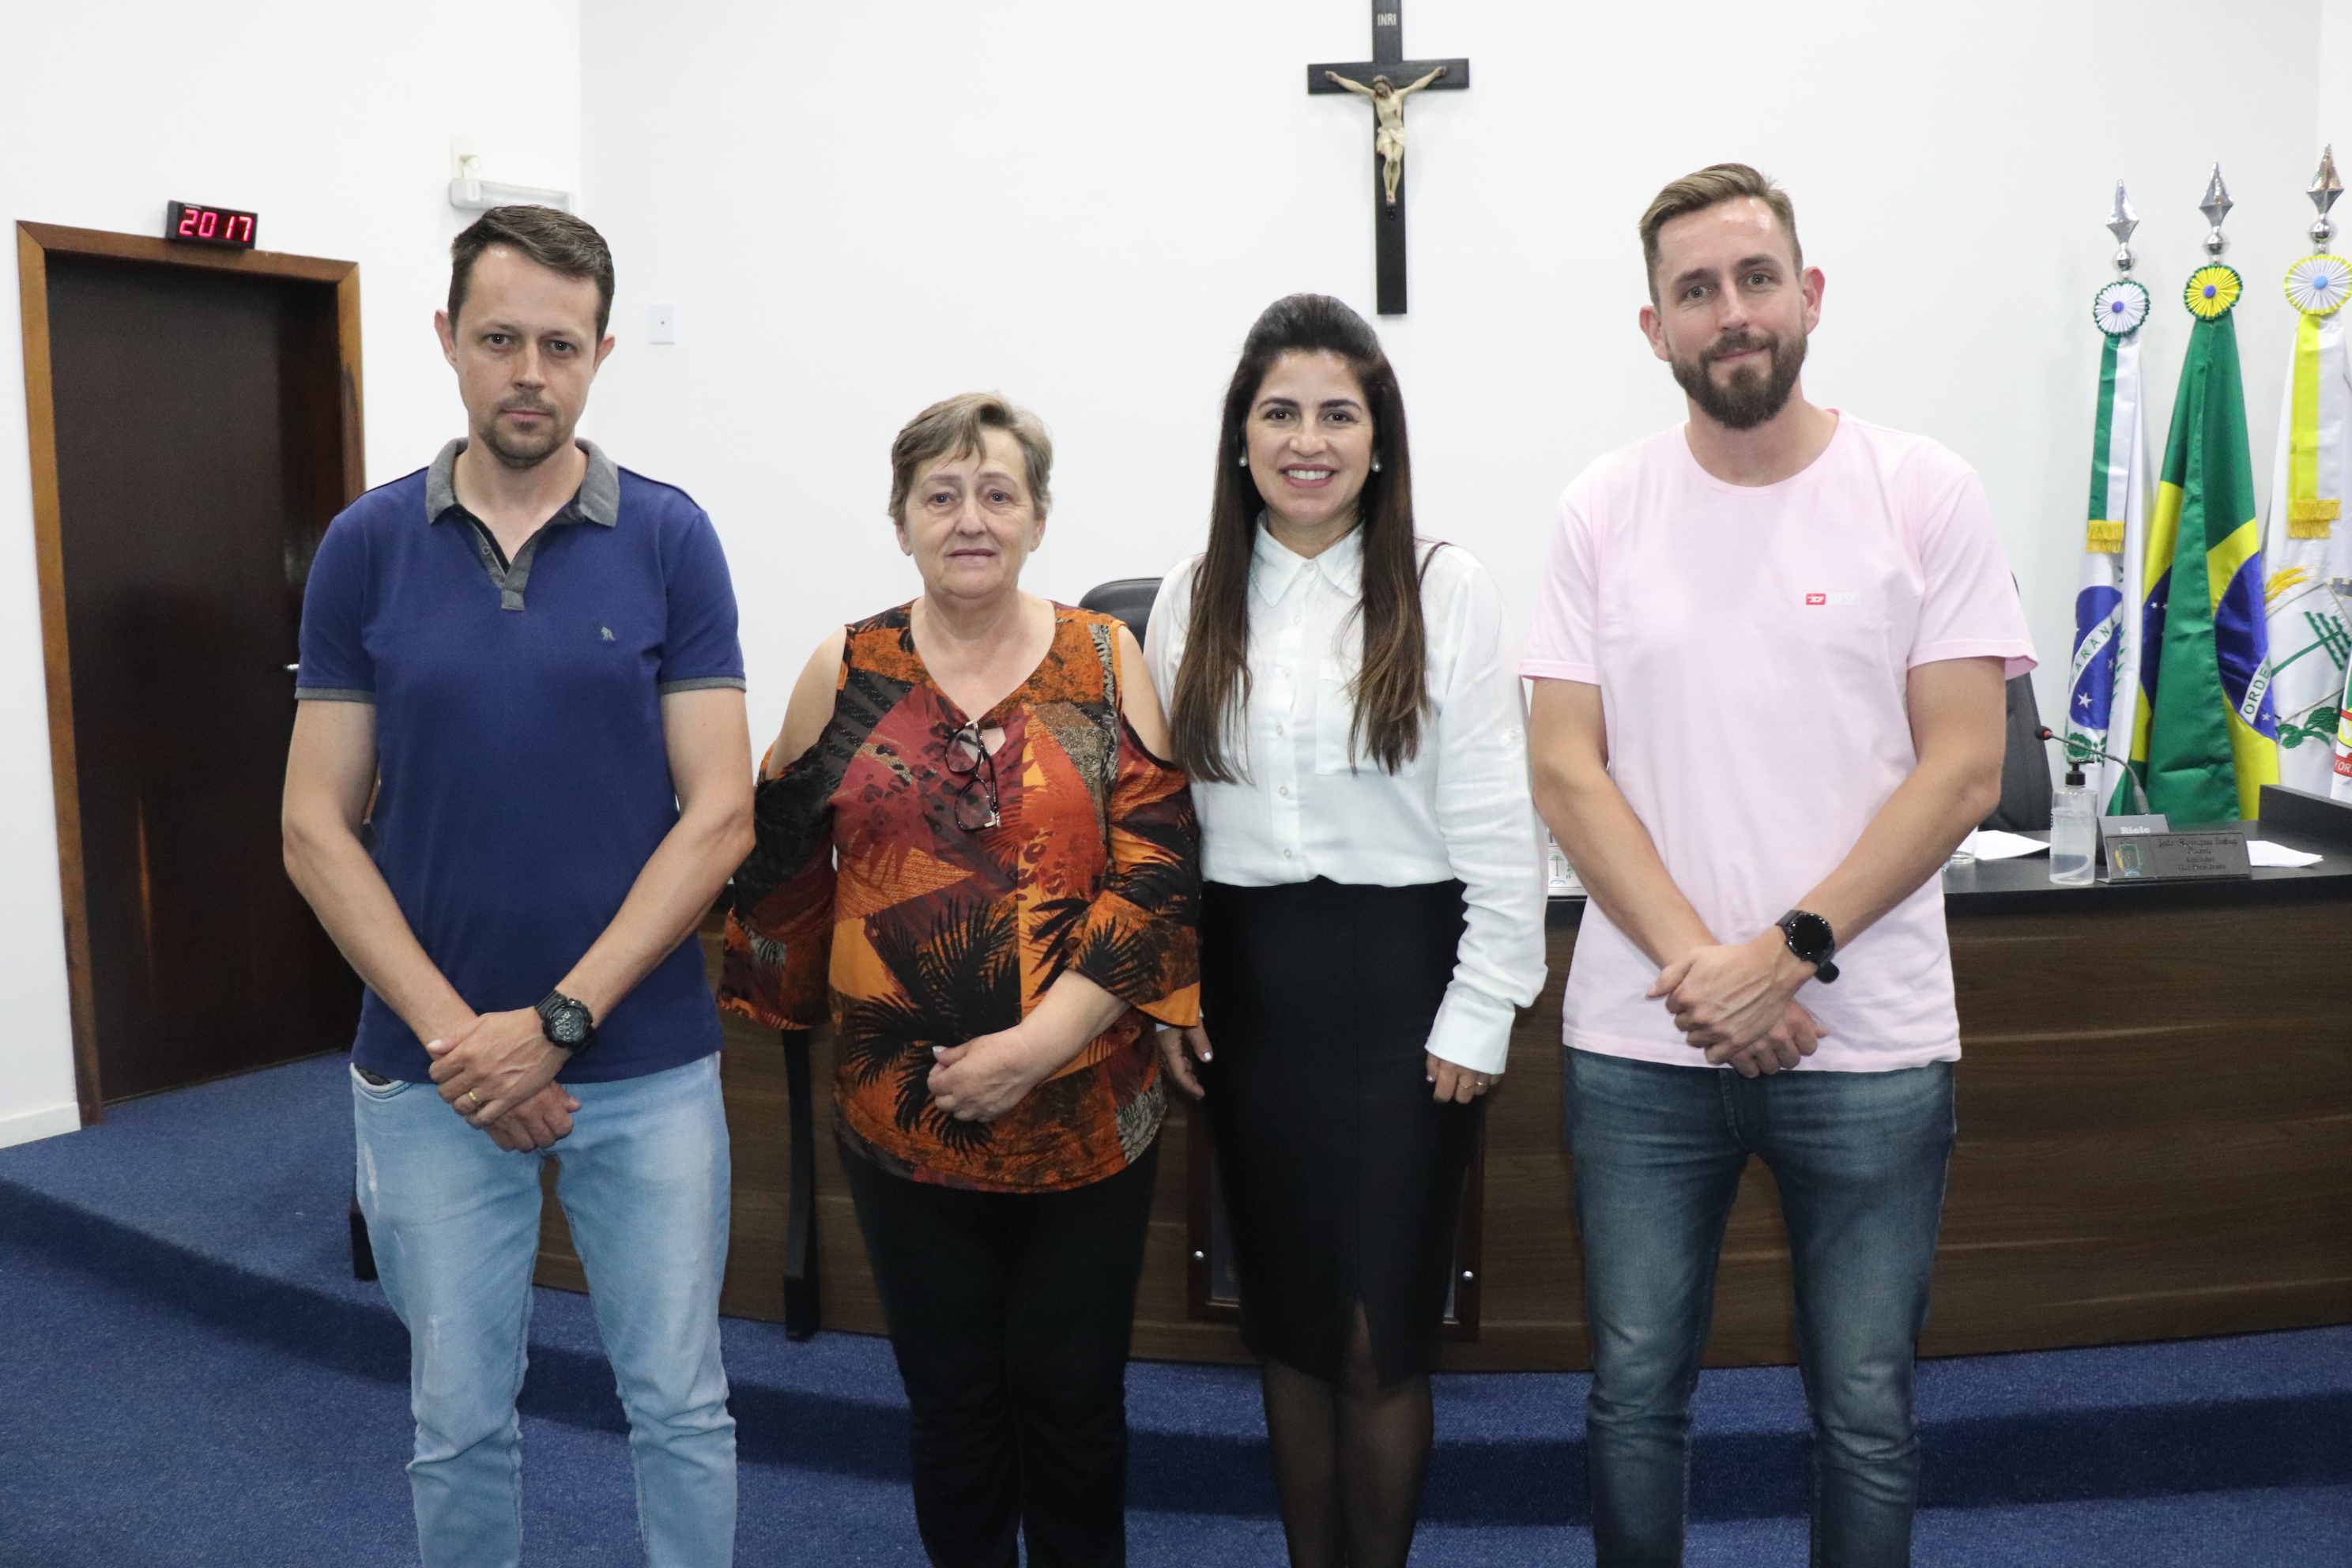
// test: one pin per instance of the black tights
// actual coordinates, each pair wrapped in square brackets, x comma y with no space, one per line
[1348,1460]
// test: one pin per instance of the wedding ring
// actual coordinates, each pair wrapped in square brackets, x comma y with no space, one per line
[475,1098]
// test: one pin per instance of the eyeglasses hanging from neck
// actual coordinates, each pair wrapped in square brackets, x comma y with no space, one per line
[969,761]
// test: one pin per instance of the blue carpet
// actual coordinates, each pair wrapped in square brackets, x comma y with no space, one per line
[184,1269]
[135,1433]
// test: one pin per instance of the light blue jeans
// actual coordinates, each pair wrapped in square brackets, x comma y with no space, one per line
[1859,1159]
[455,1222]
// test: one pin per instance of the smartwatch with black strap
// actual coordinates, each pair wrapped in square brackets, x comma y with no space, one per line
[566,1023]
[1810,938]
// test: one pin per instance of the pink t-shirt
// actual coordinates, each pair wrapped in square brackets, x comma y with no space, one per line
[1752,646]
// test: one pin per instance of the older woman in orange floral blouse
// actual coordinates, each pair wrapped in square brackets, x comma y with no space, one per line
[971,854]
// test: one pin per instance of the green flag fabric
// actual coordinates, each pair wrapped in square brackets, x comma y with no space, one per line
[2206,736]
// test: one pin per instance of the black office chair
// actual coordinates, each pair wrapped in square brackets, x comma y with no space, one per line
[2025,766]
[1129,599]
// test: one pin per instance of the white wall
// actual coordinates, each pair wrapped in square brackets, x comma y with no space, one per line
[332,122]
[2336,95]
[858,209]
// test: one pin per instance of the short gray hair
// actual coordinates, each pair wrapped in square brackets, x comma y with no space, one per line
[956,426]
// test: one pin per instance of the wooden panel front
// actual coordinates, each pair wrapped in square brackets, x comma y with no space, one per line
[2155,1127]
[2156,1143]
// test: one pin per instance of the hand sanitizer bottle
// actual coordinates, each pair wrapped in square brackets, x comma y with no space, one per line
[2073,831]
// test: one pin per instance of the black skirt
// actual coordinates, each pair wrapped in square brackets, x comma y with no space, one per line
[1342,1175]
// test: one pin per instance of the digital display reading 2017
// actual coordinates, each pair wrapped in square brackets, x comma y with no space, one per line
[208,225]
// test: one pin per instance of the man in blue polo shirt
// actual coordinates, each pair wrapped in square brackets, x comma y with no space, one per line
[527,657]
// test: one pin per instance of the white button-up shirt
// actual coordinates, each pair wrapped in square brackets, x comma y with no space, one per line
[1459,809]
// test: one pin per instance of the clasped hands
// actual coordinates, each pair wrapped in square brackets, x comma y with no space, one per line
[498,1071]
[1737,1002]
[987,1075]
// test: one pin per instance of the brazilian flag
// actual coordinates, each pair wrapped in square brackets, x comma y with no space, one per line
[2205,738]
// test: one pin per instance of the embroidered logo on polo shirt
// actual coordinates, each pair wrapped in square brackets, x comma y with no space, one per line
[605,632]
[1816,599]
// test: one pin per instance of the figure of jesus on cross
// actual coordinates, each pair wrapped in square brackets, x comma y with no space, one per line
[1376,81]
[1388,110]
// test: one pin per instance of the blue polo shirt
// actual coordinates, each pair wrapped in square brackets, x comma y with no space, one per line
[519,730]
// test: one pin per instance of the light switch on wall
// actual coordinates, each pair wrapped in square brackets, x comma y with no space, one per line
[663,326]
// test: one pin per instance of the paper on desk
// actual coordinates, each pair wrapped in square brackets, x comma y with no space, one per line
[1992,843]
[2263,853]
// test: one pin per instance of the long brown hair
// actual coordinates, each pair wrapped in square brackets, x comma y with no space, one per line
[1391,688]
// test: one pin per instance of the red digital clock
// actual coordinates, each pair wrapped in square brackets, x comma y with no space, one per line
[208,225]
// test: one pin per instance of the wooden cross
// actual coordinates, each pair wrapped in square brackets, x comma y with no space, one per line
[1386,79]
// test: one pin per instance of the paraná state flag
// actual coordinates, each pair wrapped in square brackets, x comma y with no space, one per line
[2205,738]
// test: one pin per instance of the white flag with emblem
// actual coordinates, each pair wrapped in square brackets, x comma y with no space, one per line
[2306,540]
[2102,686]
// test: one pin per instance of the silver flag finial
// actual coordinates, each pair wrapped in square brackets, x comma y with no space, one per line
[2120,223]
[2324,189]
[2216,207]
[2123,220]
[2325,186]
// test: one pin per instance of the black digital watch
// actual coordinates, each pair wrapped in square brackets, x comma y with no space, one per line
[566,1023]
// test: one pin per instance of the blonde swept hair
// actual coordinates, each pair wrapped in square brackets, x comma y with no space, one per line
[1697,192]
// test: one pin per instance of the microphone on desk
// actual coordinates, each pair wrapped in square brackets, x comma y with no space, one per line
[2046,733]
[2140,795]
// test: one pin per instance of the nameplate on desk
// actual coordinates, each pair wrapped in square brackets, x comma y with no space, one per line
[2113,828]
[2177,857]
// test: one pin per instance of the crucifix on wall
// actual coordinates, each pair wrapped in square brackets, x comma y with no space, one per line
[1386,81]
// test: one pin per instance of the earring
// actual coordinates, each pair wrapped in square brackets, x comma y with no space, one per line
[1376,465]
[1244,459]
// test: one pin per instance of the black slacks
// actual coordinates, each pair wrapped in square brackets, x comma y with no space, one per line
[1010,1315]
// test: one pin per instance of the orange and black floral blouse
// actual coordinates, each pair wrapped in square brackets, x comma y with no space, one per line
[865,886]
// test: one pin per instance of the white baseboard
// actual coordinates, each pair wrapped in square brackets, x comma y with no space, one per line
[46,1122]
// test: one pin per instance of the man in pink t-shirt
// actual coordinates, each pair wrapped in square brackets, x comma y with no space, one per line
[1769,659]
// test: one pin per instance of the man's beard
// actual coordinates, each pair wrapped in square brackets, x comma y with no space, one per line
[1752,396]
[529,451]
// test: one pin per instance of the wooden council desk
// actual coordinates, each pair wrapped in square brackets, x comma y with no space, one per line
[2155,1139]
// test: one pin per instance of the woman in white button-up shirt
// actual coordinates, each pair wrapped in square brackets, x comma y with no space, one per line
[1341,693]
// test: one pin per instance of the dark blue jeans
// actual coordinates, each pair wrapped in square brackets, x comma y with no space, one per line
[1859,1159]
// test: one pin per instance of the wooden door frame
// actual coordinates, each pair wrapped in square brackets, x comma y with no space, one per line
[35,243]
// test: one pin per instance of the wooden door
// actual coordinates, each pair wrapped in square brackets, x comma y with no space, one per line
[202,434]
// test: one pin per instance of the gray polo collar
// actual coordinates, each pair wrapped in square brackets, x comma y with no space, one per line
[599,500]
